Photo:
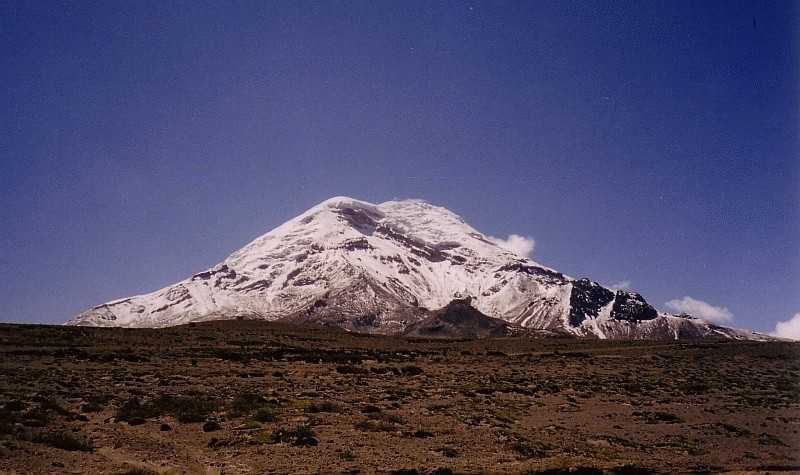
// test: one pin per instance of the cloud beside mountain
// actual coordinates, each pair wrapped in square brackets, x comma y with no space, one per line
[520,245]
[788,328]
[621,285]
[700,309]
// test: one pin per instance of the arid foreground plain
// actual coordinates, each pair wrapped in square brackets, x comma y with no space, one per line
[236,397]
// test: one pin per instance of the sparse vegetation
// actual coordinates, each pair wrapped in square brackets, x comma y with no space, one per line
[65,440]
[350,369]
[347,456]
[530,449]
[185,409]
[138,471]
[373,425]
[246,403]
[658,417]
[411,370]
[449,452]
[302,435]
[527,406]
[324,406]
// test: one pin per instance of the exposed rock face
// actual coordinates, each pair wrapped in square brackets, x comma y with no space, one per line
[381,268]
[631,306]
[586,300]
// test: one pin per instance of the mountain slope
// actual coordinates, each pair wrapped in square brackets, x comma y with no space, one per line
[380,268]
[459,319]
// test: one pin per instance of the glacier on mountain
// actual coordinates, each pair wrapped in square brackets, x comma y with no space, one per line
[380,268]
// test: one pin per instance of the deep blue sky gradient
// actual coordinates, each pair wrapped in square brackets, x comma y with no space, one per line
[655,142]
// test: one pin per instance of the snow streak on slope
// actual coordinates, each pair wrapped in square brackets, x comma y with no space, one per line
[379,268]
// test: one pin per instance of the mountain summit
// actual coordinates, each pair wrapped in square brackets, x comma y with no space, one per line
[382,268]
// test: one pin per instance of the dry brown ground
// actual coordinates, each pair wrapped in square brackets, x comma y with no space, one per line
[289,399]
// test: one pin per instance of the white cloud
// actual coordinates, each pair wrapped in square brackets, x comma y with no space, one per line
[788,328]
[700,309]
[621,285]
[520,245]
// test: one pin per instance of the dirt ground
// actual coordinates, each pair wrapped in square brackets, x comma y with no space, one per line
[251,397]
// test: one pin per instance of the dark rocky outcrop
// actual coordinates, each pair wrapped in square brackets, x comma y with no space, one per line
[586,300]
[362,218]
[632,307]
[415,246]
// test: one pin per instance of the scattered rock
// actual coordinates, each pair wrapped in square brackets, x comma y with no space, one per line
[211,426]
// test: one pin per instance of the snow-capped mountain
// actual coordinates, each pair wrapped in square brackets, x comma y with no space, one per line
[380,268]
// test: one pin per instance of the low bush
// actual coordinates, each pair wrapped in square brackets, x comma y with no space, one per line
[658,417]
[372,425]
[49,404]
[138,471]
[350,369]
[449,452]
[184,408]
[91,406]
[385,417]
[7,420]
[411,370]
[65,441]
[188,409]
[132,409]
[302,435]
[265,414]
[246,403]
[528,448]
[323,406]
[35,417]
[347,456]
[15,405]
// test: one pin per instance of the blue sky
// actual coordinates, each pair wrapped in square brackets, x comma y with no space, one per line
[649,142]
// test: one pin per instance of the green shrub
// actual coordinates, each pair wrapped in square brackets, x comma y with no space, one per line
[304,435]
[249,425]
[189,409]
